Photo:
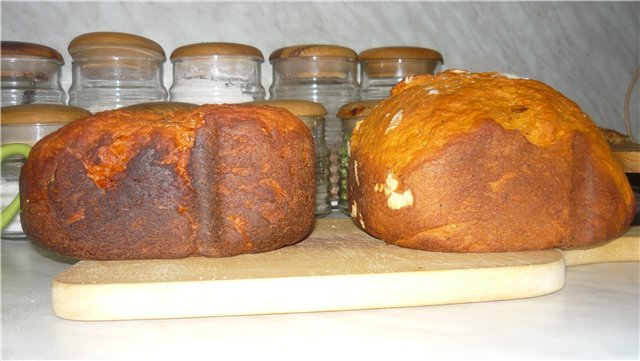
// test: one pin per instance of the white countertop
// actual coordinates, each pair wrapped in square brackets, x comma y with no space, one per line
[595,316]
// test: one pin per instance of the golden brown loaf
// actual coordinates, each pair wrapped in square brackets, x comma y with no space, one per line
[217,180]
[484,162]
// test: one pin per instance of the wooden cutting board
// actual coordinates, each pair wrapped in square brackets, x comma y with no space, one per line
[338,267]
[625,248]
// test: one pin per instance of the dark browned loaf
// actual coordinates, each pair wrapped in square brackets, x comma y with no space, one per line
[485,162]
[216,180]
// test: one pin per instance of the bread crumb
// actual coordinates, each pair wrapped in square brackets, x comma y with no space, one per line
[378,187]
[397,201]
[356,215]
[408,79]
[355,172]
[391,185]
[431,91]
[395,121]
[511,76]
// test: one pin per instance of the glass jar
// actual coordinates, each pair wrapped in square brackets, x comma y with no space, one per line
[30,74]
[325,74]
[27,124]
[113,70]
[382,68]
[350,114]
[313,116]
[217,73]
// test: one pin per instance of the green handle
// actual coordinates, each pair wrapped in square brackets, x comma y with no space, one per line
[14,207]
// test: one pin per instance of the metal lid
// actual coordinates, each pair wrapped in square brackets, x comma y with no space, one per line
[400,52]
[161,107]
[110,44]
[357,109]
[40,114]
[299,108]
[21,49]
[313,50]
[211,49]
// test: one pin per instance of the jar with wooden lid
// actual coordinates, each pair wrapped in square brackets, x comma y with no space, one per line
[27,124]
[382,68]
[112,70]
[313,116]
[325,74]
[350,114]
[30,74]
[217,73]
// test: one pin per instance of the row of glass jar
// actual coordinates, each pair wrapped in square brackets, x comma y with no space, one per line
[112,70]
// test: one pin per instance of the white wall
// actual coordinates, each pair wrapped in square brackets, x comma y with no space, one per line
[588,51]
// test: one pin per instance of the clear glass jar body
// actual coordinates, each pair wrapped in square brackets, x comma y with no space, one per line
[216,80]
[331,82]
[9,179]
[323,197]
[348,125]
[377,77]
[31,80]
[11,167]
[114,82]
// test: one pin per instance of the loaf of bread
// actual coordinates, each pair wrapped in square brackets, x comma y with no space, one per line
[484,162]
[141,183]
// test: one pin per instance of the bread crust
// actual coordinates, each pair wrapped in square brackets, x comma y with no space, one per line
[137,184]
[485,163]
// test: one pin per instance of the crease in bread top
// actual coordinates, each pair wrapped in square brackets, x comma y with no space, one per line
[457,102]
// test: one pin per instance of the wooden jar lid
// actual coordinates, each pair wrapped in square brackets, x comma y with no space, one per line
[357,109]
[20,49]
[313,50]
[161,107]
[399,61]
[400,52]
[110,44]
[299,108]
[40,114]
[212,49]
